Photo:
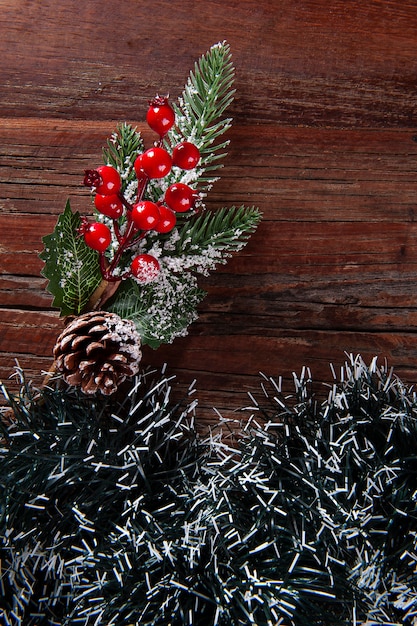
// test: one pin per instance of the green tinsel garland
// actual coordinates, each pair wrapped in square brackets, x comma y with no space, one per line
[116,512]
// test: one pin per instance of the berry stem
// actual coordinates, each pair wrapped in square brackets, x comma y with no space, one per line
[117,232]
[103,265]
[127,240]
[125,203]
[134,240]
[131,235]
[124,242]
[142,184]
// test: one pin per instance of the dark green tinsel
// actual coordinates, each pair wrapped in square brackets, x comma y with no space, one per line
[116,512]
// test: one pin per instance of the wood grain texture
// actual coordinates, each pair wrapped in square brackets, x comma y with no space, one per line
[298,62]
[323,143]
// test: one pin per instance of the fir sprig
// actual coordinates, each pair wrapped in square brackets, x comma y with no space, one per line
[121,150]
[166,307]
[207,95]
[225,229]
[195,244]
[161,310]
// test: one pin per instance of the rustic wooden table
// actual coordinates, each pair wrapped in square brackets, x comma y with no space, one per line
[323,142]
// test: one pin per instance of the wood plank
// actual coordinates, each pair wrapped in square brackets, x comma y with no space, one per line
[324,142]
[331,268]
[222,384]
[351,64]
[24,292]
[330,175]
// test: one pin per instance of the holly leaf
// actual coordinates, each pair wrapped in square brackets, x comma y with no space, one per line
[71,267]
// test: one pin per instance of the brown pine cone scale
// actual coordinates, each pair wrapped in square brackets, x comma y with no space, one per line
[97,351]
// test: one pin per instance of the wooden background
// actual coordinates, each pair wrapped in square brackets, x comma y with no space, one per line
[323,142]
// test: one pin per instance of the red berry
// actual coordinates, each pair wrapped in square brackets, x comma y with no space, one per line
[167,220]
[138,167]
[185,155]
[111,183]
[97,236]
[180,197]
[145,268]
[160,116]
[145,215]
[111,205]
[156,162]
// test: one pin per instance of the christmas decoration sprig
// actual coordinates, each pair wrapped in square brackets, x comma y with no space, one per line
[152,234]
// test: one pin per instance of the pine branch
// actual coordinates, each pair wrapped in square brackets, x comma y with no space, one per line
[226,229]
[196,245]
[161,310]
[122,148]
[207,95]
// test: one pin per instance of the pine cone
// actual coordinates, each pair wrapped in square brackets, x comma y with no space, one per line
[97,351]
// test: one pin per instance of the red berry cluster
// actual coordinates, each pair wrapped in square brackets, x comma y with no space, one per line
[143,215]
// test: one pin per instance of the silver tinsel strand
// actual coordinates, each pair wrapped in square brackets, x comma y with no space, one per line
[309,519]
